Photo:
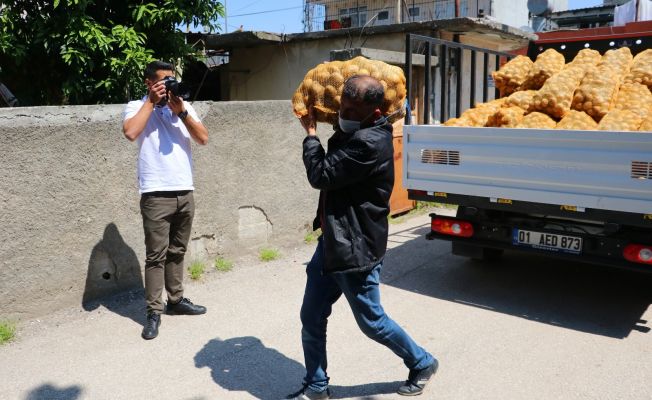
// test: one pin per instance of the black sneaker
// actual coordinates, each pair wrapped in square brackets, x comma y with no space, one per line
[184,307]
[417,380]
[308,394]
[150,331]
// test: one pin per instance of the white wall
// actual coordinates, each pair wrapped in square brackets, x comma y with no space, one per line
[511,12]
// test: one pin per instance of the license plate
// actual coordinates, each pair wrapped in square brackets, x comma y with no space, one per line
[547,241]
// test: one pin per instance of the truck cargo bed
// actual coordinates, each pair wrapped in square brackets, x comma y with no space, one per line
[600,170]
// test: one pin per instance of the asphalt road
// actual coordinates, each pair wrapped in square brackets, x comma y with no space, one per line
[526,328]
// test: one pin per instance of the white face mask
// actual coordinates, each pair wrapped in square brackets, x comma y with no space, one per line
[348,126]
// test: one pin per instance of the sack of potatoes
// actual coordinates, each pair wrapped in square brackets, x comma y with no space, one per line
[322,87]
[610,92]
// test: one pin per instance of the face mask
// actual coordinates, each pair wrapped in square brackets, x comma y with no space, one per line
[348,126]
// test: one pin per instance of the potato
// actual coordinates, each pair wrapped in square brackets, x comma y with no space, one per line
[577,120]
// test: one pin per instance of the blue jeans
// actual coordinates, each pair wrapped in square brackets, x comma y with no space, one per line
[362,291]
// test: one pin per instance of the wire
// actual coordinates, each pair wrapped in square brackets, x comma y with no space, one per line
[264,12]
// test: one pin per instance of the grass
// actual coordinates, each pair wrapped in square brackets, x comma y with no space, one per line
[268,254]
[312,236]
[7,332]
[196,270]
[223,265]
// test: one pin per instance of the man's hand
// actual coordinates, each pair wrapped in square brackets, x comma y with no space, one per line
[157,92]
[176,104]
[309,122]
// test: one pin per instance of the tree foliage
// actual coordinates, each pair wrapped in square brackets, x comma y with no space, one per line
[93,51]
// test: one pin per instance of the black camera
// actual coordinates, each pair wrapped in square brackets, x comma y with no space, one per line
[175,87]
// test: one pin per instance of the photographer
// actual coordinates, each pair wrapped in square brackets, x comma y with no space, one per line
[162,124]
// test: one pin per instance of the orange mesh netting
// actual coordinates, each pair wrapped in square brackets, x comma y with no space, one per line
[322,88]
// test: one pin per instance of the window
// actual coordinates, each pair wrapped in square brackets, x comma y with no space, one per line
[358,15]
[414,11]
[383,16]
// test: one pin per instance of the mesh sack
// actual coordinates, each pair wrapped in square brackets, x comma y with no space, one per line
[506,117]
[634,97]
[556,95]
[646,126]
[537,120]
[618,61]
[598,89]
[522,99]
[546,65]
[597,92]
[620,120]
[577,120]
[584,58]
[512,75]
[322,87]
[479,116]
[641,70]
[458,122]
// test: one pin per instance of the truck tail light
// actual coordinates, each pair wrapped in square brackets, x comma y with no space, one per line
[417,192]
[638,253]
[453,227]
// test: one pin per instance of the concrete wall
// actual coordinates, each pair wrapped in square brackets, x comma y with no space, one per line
[71,225]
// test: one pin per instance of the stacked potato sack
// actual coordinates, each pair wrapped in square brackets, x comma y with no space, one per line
[556,95]
[512,75]
[577,120]
[597,92]
[641,70]
[507,117]
[522,99]
[634,97]
[537,120]
[478,116]
[620,120]
[322,88]
[546,65]
[646,126]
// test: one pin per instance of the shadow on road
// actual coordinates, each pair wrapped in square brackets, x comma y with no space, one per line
[598,300]
[113,268]
[49,392]
[245,364]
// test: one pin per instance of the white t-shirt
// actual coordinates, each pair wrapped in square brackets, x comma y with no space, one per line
[164,156]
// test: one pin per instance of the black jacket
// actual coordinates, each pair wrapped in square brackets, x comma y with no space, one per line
[355,178]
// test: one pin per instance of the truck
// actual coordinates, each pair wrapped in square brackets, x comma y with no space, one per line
[576,195]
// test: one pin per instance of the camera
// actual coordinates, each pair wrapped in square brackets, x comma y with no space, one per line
[175,87]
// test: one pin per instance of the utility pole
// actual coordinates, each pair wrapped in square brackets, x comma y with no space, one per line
[399,14]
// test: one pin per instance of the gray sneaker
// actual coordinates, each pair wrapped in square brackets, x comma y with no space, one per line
[417,380]
[308,394]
